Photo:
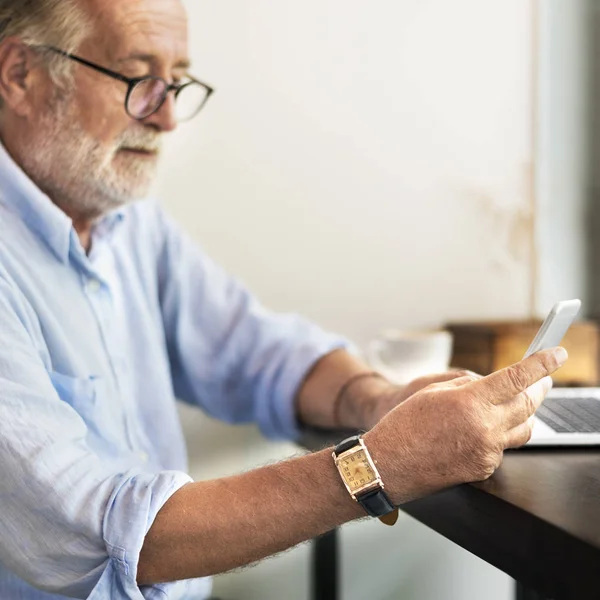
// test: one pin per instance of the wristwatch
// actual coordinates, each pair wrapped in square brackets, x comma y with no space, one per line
[361,478]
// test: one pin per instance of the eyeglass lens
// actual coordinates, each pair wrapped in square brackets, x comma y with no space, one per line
[147,96]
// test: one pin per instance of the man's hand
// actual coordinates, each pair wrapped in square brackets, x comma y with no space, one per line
[396,395]
[456,431]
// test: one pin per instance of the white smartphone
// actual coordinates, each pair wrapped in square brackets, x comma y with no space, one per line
[555,326]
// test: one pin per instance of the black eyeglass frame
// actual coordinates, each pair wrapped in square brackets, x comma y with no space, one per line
[133,82]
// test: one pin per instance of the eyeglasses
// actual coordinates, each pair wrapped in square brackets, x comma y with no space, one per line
[145,95]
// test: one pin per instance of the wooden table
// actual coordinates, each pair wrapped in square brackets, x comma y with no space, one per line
[537,519]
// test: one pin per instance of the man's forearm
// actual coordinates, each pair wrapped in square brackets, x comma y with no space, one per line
[214,526]
[316,399]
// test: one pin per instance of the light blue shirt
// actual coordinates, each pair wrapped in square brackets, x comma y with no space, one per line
[93,352]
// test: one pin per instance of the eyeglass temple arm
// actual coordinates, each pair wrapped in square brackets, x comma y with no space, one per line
[89,64]
[210,90]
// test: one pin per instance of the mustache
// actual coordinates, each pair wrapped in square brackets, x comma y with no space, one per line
[140,140]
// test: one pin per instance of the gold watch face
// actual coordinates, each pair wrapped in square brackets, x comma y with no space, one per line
[356,470]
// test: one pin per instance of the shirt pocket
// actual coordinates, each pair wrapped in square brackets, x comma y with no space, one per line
[91,399]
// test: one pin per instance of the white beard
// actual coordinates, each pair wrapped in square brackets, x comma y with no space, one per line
[78,173]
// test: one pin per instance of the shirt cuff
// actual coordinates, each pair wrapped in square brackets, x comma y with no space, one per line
[130,513]
[298,365]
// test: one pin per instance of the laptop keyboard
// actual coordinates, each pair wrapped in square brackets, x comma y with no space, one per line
[571,415]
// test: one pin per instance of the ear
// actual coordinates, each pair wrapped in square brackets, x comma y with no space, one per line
[16,75]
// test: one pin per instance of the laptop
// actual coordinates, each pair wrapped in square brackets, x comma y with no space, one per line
[568,417]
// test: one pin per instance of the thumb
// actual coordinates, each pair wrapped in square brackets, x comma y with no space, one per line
[511,381]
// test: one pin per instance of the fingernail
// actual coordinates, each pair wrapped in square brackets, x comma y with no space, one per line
[561,356]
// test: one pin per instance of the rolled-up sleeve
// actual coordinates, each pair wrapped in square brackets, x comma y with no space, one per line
[71,522]
[237,360]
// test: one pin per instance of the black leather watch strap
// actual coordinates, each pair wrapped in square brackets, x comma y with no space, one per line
[346,445]
[375,502]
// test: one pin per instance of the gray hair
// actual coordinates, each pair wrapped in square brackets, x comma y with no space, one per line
[61,23]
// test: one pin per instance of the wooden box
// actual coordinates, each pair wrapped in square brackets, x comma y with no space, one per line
[487,347]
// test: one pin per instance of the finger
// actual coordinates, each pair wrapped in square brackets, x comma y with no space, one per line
[452,375]
[466,372]
[505,384]
[519,436]
[518,410]
[456,382]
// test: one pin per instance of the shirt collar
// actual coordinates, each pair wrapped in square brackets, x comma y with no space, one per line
[20,194]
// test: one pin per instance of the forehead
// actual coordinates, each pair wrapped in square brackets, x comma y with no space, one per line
[157,27]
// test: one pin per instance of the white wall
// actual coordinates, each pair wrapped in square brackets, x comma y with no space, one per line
[367,164]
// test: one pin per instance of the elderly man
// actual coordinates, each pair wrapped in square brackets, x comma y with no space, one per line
[108,313]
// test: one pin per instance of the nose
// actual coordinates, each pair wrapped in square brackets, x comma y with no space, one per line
[164,118]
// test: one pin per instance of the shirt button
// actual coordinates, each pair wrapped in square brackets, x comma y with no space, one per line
[93,286]
[143,456]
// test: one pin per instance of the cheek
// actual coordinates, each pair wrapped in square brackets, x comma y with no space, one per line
[101,111]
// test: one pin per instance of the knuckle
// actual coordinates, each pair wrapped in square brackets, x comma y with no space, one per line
[481,415]
[528,402]
[525,435]
[487,431]
[463,373]
[484,438]
[487,473]
[474,376]
[517,377]
[488,467]
[480,452]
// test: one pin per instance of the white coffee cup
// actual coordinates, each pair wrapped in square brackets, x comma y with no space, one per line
[402,356]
